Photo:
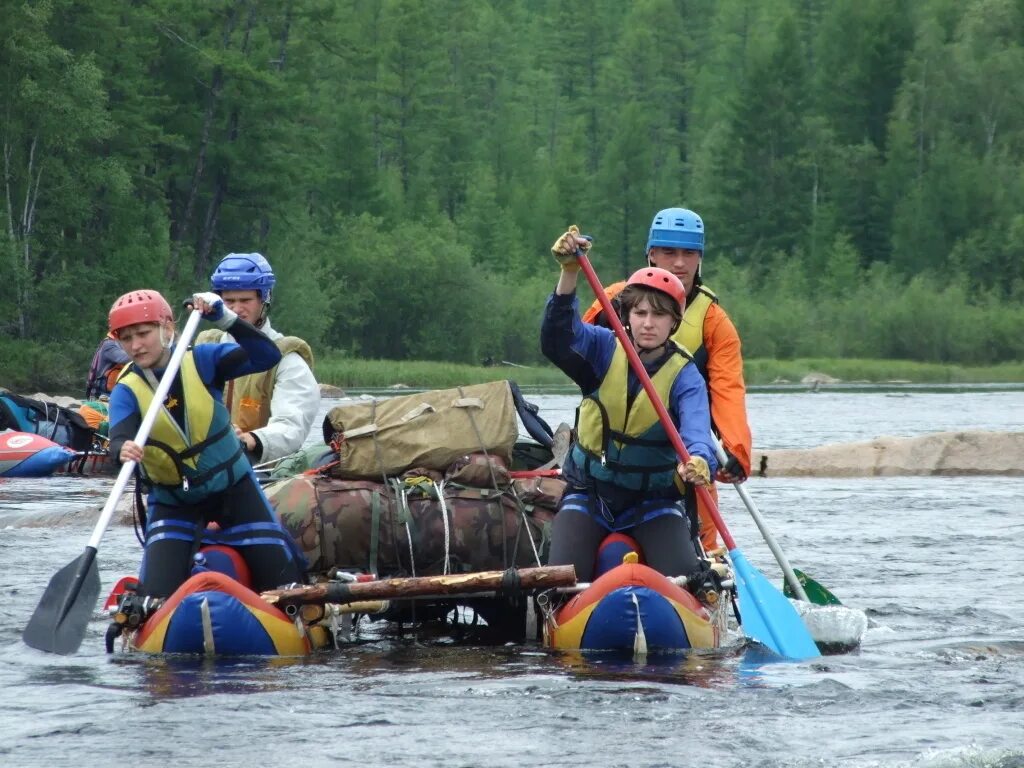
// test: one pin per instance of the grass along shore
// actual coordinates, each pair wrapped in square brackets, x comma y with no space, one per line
[26,369]
[349,373]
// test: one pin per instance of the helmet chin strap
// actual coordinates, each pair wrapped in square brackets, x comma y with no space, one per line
[166,343]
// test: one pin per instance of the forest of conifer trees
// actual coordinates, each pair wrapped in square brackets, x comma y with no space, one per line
[406,164]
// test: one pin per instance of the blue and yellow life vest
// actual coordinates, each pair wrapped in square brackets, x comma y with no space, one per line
[623,443]
[203,458]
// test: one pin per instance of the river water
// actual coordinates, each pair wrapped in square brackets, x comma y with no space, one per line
[938,680]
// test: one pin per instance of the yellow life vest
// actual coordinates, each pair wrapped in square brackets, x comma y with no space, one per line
[690,334]
[625,443]
[207,445]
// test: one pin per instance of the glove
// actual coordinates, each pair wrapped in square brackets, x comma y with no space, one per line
[214,310]
[695,471]
[565,248]
[732,472]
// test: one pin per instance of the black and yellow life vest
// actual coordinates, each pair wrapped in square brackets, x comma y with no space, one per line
[624,443]
[205,456]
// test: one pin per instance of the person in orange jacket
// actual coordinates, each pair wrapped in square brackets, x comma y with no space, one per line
[676,243]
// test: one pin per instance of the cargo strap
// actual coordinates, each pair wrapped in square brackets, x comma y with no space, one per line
[374,531]
[439,490]
[511,584]
[403,514]
[526,526]
[463,402]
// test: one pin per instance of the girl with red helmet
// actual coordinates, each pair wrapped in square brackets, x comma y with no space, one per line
[193,462]
[676,242]
[622,471]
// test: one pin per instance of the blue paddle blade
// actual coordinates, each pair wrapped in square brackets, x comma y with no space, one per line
[768,617]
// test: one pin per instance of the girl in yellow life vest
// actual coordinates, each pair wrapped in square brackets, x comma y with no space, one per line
[622,471]
[193,461]
[676,243]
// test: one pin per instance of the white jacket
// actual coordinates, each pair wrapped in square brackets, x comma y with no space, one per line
[293,406]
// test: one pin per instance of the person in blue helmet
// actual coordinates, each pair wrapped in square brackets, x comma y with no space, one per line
[676,242]
[622,472]
[193,462]
[274,410]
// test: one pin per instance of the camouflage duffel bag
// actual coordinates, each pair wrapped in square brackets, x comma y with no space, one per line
[365,526]
[543,492]
[332,520]
[487,530]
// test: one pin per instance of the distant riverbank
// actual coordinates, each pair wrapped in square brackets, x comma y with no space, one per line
[52,368]
[348,373]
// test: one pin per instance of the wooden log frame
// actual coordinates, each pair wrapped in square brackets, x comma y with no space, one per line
[510,582]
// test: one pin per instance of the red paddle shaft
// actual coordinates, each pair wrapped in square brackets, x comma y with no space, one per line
[652,394]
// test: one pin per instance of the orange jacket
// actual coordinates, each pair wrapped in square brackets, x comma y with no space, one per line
[726,389]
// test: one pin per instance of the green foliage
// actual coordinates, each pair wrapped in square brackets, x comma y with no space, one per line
[405,165]
[27,367]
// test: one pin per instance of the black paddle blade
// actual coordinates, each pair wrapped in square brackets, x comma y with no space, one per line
[59,622]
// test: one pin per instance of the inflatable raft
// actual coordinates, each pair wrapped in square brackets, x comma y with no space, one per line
[214,613]
[79,430]
[632,608]
[27,455]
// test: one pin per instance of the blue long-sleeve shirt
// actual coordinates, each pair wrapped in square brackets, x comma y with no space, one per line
[216,364]
[584,352]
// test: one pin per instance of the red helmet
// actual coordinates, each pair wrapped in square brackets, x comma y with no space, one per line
[142,306]
[660,280]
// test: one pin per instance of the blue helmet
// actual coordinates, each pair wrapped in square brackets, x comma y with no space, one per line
[676,228]
[244,272]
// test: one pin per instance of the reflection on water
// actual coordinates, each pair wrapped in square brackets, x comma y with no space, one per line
[173,677]
[718,668]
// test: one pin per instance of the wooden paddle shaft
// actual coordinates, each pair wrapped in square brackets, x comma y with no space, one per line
[652,394]
[427,586]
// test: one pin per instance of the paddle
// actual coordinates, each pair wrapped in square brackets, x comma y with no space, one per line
[816,593]
[768,617]
[796,583]
[60,620]
[780,557]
